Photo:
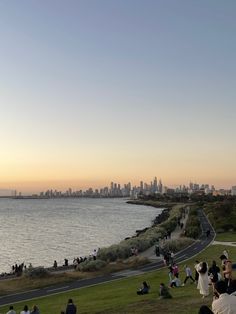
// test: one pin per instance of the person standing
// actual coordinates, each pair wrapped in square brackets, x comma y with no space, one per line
[188,273]
[175,270]
[203,281]
[227,270]
[214,271]
[196,272]
[226,254]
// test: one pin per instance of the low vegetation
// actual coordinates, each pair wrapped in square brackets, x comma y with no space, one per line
[177,244]
[193,228]
[37,272]
[92,265]
[222,215]
[143,240]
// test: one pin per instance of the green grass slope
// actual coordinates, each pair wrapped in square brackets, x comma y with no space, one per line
[120,296]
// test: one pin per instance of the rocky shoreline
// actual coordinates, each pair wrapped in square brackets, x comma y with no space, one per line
[163,216]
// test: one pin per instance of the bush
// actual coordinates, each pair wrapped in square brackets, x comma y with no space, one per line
[222,214]
[136,261]
[92,265]
[37,272]
[142,242]
[177,244]
[193,232]
[193,228]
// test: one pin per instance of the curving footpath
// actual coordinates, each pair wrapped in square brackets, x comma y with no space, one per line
[183,255]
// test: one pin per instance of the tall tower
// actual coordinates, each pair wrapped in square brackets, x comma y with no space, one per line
[160,186]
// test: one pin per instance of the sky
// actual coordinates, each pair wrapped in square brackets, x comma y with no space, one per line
[94,91]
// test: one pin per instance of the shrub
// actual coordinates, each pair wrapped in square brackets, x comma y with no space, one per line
[37,272]
[136,261]
[177,244]
[193,228]
[193,232]
[92,265]
[142,242]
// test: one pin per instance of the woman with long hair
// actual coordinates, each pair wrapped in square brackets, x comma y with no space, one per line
[203,281]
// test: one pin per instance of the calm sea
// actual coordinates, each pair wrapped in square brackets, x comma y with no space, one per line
[41,231]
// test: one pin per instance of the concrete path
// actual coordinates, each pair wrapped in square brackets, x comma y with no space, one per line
[225,243]
[150,253]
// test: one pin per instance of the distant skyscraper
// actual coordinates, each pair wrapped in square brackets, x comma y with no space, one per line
[233,190]
[141,185]
[160,186]
[155,185]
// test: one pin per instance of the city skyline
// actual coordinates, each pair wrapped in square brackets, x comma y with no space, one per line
[117,189]
[98,90]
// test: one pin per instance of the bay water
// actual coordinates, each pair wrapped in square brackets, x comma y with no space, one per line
[39,231]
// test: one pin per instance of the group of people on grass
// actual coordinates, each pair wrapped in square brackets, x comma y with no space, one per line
[215,278]
[163,290]
[70,309]
[26,310]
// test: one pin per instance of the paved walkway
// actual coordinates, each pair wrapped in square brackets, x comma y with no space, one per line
[150,253]
[225,243]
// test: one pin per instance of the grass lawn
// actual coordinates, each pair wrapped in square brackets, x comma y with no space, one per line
[120,296]
[226,236]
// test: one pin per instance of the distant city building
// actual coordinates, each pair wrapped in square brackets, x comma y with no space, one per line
[154,188]
[233,190]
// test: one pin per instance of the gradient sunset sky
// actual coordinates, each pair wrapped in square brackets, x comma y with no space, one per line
[95,91]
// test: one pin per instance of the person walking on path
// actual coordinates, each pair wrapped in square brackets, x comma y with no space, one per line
[188,273]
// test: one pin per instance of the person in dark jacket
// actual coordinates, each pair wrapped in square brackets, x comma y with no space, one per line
[164,292]
[144,289]
[214,270]
[71,308]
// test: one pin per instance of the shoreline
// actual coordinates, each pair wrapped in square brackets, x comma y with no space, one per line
[49,266]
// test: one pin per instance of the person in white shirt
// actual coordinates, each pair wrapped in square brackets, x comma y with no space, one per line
[11,310]
[188,273]
[203,281]
[226,254]
[25,310]
[223,302]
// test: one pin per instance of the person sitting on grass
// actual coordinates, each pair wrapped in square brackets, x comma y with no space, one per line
[71,308]
[35,310]
[11,310]
[175,282]
[25,310]
[164,292]
[144,289]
